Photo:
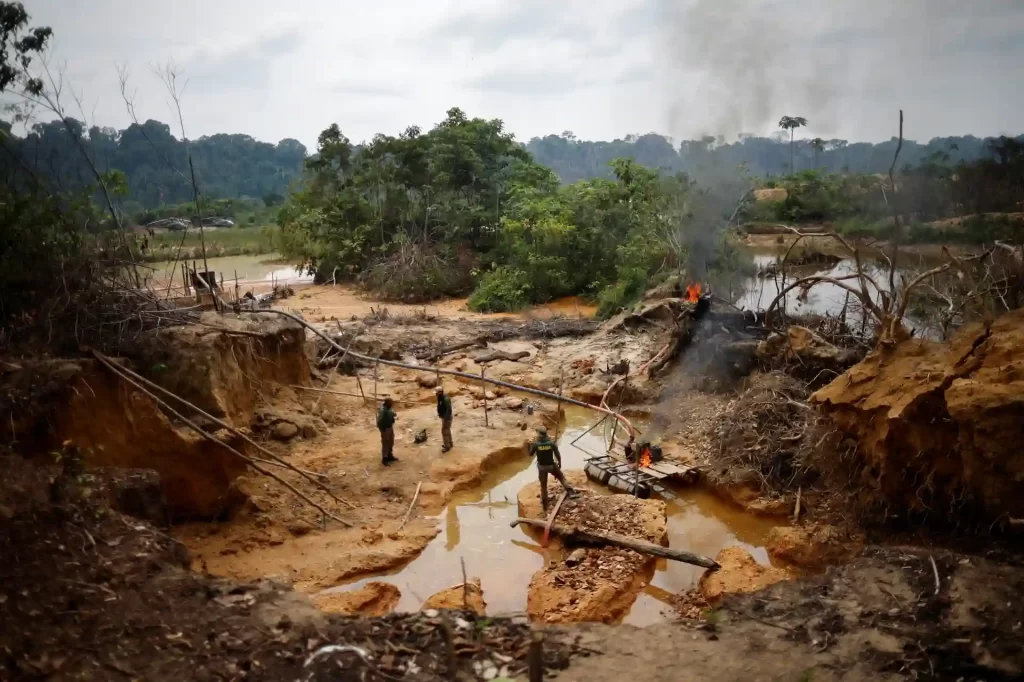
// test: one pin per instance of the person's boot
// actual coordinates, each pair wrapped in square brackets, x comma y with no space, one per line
[385,461]
[392,458]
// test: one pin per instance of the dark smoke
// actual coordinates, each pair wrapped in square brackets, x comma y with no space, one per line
[751,65]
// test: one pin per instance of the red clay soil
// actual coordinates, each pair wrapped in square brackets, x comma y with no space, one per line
[939,426]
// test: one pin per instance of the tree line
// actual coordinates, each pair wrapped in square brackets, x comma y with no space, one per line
[150,157]
[572,159]
[234,165]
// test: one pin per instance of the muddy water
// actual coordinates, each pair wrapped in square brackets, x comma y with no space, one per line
[475,528]
[253,271]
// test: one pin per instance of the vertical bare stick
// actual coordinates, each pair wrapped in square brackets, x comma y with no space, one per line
[535,656]
[558,410]
[376,371]
[483,385]
[465,585]
[449,636]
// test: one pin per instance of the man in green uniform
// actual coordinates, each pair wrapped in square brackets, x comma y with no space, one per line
[386,426]
[444,412]
[549,461]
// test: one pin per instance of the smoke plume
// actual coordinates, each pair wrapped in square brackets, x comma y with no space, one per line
[750,66]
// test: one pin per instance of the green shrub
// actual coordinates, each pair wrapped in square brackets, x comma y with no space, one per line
[503,290]
[624,293]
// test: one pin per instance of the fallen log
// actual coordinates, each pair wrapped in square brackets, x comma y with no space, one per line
[432,355]
[575,536]
[501,355]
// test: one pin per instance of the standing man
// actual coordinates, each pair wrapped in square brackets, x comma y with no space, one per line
[386,425]
[549,461]
[444,412]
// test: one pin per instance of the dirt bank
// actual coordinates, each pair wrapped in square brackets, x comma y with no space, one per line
[938,425]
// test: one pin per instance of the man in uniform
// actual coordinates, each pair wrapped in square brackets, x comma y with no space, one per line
[549,461]
[386,425]
[444,412]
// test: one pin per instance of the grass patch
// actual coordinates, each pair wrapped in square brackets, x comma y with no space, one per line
[225,241]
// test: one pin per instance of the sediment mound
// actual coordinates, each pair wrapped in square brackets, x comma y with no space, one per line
[812,547]
[372,599]
[592,584]
[461,597]
[738,573]
[939,426]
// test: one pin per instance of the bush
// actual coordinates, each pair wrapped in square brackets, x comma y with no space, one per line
[624,293]
[503,290]
[415,273]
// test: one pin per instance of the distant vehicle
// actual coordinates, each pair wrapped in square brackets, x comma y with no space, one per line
[218,222]
[169,224]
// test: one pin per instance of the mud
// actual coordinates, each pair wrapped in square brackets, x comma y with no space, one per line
[372,599]
[739,573]
[467,596]
[813,547]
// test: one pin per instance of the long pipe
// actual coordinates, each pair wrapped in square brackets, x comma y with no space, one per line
[455,373]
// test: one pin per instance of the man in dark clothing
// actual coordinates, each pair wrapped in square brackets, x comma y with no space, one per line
[386,425]
[549,461]
[444,411]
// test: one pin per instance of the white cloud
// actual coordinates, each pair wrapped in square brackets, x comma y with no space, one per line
[601,68]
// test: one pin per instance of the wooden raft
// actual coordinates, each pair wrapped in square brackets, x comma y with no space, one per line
[624,477]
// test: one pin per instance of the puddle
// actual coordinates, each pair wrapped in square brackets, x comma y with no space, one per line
[475,528]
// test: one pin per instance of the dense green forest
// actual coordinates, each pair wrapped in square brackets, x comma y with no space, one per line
[227,166]
[236,166]
[573,159]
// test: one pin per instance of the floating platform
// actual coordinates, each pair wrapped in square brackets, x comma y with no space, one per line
[643,482]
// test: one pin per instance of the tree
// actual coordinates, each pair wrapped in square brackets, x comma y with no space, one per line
[818,145]
[791,123]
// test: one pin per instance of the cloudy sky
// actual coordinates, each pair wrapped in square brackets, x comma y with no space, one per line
[599,68]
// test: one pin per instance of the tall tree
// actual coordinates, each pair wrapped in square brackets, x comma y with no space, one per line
[791,123]
[818,145]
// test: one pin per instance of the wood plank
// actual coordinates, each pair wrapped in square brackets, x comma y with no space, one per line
[653,473]
[670,468]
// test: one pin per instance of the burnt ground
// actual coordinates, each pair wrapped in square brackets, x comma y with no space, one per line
[87,593]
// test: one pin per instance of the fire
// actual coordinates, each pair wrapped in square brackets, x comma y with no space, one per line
[693,292]
[645,458]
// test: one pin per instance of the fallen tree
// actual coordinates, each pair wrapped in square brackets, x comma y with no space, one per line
[576,536]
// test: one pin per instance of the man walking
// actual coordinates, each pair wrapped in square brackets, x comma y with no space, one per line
[386,425]
[549,461]
[444,412]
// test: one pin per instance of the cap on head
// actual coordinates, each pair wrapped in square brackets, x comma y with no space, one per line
[388,402]
[542,430]
[439,390]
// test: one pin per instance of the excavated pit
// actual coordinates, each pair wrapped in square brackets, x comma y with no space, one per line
[474,528]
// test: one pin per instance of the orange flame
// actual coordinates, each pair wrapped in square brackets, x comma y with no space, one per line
[645,458]
[693,292]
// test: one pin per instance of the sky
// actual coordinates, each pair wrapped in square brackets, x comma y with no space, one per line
[601,69]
